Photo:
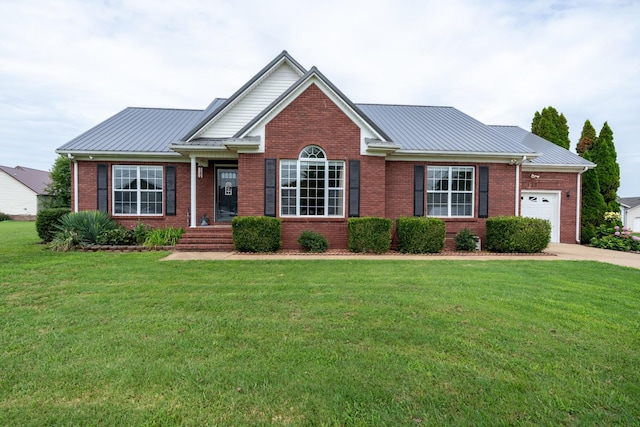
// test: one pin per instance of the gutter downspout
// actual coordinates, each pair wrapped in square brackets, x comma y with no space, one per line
[524,158]
[579,204]
[75,186]
[193,191]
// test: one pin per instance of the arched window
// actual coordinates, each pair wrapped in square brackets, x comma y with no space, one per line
[312,185]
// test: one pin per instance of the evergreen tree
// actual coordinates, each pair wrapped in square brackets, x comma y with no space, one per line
[593,204]
[552,126]
[603,153]
[587,138]
[60,186]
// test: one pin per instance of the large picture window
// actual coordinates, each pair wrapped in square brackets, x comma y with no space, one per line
[137,190]
[450,191]
[311,185]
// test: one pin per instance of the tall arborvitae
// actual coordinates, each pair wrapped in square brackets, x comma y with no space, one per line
[593,205]
[552,126]
[603,153]
[587,138]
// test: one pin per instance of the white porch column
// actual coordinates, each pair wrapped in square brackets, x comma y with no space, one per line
[194,169]
[578,205]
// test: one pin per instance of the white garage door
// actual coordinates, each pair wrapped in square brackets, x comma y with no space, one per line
[636,225]
[544,206]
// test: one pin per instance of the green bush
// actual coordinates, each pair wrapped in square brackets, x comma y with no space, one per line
[465,240]
[164,236]
[116,237]
[514,234]
[64,241]
[4,217]
[140,233]
[313,242]
[256,233]
[47,220]
[616,238]
[87,226]
[420,235]
[369,235]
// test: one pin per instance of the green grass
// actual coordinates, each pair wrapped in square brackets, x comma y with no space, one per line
[126,339]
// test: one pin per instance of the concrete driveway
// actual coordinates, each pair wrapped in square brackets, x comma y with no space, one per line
[555,251]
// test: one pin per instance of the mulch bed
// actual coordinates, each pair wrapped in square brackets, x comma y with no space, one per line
[399,254]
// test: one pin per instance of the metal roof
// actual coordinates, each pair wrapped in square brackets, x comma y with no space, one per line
[37,180]
[444,129]
[552,154]
[631,202]
[149,130]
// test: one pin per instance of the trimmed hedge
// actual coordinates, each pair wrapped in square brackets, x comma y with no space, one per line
[465,240]
[370,235]
[47,221]
[420,235]
[256,233]
[511,234]
[313,242]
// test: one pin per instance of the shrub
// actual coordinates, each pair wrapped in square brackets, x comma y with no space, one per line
[465,240]
[517,234]
[64,241]
[616,238]
[4,217]
[256,233]
[370,235]
[140,233]
[419,235]
[47,220]
[118,236]
[164,236]
[87,225]
[313,242]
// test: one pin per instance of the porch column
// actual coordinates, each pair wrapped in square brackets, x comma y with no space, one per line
[517,213]
[194,168]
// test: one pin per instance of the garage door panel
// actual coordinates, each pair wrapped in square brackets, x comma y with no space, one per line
[543,206]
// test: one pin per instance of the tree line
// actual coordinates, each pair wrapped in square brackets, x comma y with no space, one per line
[599,185]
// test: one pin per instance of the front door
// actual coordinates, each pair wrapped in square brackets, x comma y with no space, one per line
[226,194]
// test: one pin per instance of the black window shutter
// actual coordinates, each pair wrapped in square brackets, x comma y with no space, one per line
[170,183]
[103,187]
[483,199]
[354,188]
[269,187]
[418,190]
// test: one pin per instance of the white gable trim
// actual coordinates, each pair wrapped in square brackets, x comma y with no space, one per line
[228,125]
[366,131]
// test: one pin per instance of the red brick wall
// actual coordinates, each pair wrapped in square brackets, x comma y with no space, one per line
[563,182]
[88,200]
[311,119]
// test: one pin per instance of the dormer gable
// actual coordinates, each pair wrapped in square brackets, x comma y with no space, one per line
[234,113]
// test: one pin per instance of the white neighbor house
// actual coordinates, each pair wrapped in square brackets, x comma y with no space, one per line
[630,212]
[21,190]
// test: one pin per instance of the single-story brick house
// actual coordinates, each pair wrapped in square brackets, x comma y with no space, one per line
[290,144]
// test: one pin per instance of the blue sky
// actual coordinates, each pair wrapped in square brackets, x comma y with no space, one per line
[67,65]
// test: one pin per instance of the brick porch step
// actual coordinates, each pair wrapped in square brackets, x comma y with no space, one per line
[214,238]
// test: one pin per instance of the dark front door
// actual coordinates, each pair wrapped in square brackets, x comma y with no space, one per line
[227,194]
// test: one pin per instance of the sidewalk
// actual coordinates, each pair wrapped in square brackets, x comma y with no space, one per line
[555,251]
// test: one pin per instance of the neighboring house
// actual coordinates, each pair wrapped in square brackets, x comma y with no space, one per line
[22,190]
[630,212]
[289,144]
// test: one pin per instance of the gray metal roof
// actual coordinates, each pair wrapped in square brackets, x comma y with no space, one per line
[552,154]
[439,129]
[36,179]
[149,130]
[632,202]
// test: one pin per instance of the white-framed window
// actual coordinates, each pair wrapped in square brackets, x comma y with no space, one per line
[137,190]
[450,191]
[312,185]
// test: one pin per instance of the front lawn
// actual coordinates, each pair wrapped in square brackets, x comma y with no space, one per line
[124,339]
